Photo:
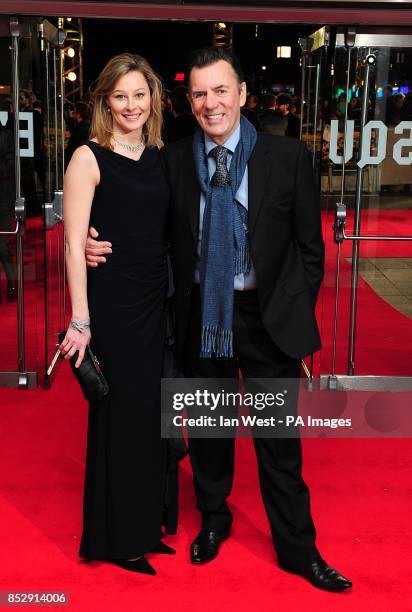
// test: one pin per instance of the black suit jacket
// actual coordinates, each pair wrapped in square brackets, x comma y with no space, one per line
[285,238]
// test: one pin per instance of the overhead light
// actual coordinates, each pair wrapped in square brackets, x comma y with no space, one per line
[263,67]
[284,52]
[221,25]
[71,52]
[72,76]
[68,19]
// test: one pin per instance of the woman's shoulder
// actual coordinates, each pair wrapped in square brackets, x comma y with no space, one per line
[84,161]
[85,153]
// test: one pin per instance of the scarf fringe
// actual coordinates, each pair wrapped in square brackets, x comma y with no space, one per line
[216,342]
[242,260]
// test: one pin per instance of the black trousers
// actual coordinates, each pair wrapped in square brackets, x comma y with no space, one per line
[284,492]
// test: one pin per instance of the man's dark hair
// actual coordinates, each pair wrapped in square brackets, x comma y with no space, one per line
[83,110]
[210,55]
[179,100]
[284,98]
[268,101]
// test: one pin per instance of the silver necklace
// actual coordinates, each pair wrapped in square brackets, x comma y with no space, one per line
[130,148]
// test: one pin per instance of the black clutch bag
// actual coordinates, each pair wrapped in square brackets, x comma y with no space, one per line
[89,375]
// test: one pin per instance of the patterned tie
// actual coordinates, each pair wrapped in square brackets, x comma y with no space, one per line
[221,176]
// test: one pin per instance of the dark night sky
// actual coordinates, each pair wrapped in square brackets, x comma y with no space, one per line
[166,45]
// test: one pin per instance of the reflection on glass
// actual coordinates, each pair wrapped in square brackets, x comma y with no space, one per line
[8,292]
[383,149]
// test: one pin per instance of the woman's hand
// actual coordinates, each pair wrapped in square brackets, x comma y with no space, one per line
[75,341]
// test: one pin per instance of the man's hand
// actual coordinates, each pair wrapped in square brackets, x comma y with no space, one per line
[95,249]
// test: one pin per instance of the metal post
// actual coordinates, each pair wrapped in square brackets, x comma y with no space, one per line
[315,119]
[15,31]
[345,125]
[62,130]
[48,118]
[356,232]
[60,230]
[336,314]
[308,102]
[56,158]
[303,94]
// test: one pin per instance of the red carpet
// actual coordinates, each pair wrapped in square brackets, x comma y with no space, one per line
[384,335]
[361,500]
[33,305]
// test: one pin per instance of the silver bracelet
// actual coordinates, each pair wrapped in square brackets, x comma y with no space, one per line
[80,326]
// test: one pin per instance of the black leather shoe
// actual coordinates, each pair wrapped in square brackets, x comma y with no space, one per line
[321,575]
[141,566]
[205,546]
[163,549]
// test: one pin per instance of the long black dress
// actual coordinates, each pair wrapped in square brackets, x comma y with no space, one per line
[125,466]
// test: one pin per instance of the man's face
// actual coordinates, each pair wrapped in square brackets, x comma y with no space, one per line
[216,97]
[284,108]
[24,101]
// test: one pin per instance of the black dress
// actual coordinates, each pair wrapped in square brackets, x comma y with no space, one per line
[125,484]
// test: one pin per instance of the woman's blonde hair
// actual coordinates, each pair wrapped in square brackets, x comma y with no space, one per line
[102,122]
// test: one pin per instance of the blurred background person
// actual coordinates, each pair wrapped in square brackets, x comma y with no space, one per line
[252,102]
[251,110]
[272,120]
[283,105]
[182,123]
[394,109]
[80,130]
[355,111]
[38,136]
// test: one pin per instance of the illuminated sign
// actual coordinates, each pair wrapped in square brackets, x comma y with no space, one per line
[379,132]
[26,132]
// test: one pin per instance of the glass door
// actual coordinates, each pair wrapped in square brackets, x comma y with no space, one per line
[19,236]
[364,170]
[314,65]
[52,55]
[32,283]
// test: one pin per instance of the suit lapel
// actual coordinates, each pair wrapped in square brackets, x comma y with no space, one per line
[258,174]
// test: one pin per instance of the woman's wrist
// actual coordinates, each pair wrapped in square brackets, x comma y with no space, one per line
[80,325]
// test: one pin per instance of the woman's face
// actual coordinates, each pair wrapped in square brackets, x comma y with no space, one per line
[130,103]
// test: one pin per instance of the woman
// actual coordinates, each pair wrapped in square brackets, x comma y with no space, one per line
[116,183]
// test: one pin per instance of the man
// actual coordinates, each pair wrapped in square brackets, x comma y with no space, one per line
[283,106]
[182,123]
[80,131]
[272,121]
[251,110]
[247,273]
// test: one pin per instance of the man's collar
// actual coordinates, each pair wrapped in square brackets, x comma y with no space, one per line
[230,143]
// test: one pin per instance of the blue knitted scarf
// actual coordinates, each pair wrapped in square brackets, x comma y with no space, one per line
[224,249]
